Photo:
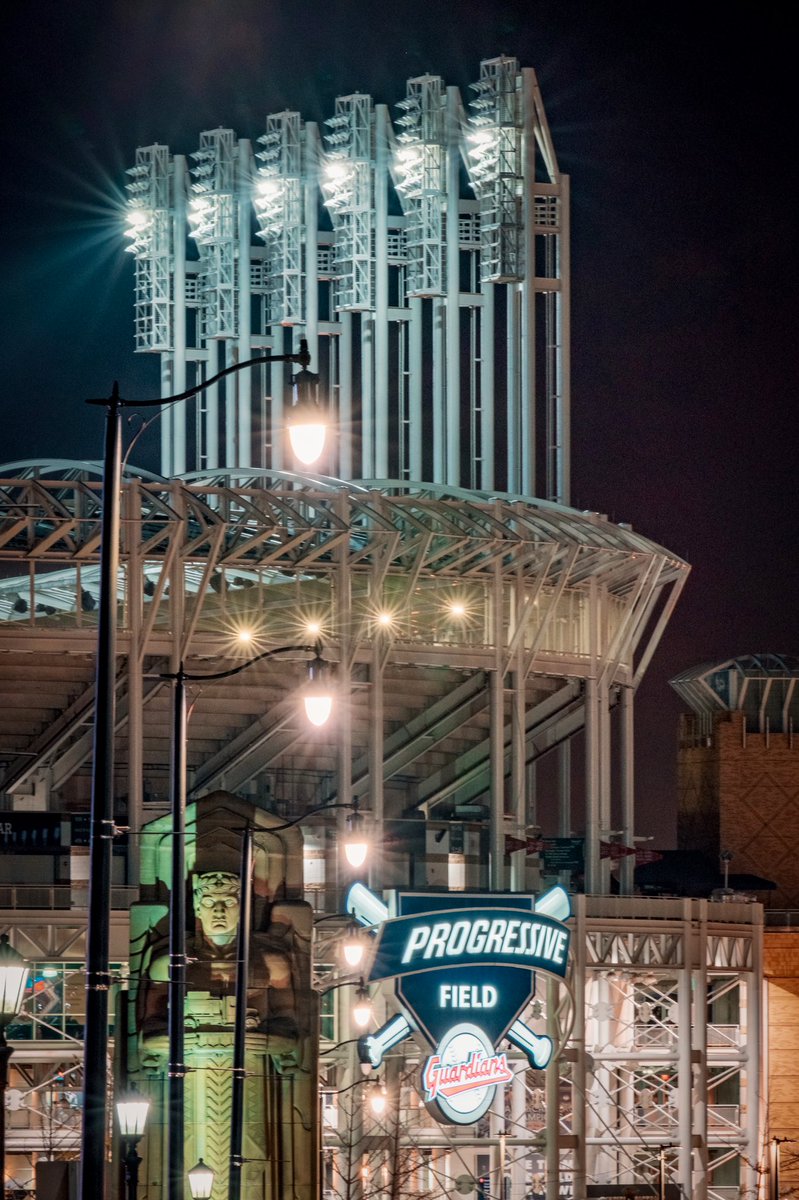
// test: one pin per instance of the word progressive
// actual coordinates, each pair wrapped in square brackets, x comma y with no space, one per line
[512,937]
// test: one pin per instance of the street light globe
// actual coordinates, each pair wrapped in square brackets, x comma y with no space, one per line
[352,947]
[307,435]
[356,846]
[132,1113]
[378,1101]
[362,1009]
[201,1181]
[306,420]
[14,972]
[318,695]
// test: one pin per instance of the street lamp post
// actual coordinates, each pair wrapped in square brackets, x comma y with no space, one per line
[98,981]
[13,981]
[353,850]
[132,1112]
[177,910]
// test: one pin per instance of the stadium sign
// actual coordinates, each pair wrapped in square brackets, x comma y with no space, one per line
[464,968]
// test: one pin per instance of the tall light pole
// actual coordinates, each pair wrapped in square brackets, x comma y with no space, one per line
[98,979]
[13,981]
[355,849]
[176,987]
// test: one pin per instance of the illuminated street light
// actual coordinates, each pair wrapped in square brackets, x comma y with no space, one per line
[132,1112]
[378,1101]
[352,948]
[306,421]
[362,1009]
[318,695]
[201,1181]
[356,845]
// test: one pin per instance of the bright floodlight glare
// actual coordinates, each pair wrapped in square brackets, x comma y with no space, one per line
[307,438]
[385,618]
[362,1009]
[244,636]
[378,1101]
[457,608]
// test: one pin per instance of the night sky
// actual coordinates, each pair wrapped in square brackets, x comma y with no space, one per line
[677,124]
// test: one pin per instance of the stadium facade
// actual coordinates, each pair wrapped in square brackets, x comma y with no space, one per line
[488,639]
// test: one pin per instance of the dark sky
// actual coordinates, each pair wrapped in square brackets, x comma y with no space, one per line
[677,123]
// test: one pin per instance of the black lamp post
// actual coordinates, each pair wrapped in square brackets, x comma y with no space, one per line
[353,850]
[98,980]
[13,981]
[132,1112]
[177,910]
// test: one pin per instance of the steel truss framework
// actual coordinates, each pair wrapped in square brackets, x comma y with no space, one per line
[526,616]
[439,320]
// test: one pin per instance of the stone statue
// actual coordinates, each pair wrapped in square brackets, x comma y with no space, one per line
[272,995]
[281,1111]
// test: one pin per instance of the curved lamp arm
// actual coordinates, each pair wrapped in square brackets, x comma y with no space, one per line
[302,358]
[250,662]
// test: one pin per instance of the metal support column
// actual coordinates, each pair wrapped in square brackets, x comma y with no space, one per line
[697,1185]
[527,389]
[452,423]
[243,380]
[381,358]
[579,1069]
[592,786]
[346,427]
[415,378]
[627,786]
[177,413]
[685,1078]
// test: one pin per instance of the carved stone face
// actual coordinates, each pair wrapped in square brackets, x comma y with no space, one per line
[216,903]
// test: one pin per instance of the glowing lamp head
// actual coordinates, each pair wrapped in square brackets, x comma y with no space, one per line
[352,947]
[457,608]
[132,1114]
[307,434]
[201,1181]
[362,1009]
[306,420]
[318,695]
[356,846]
[378,1101]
